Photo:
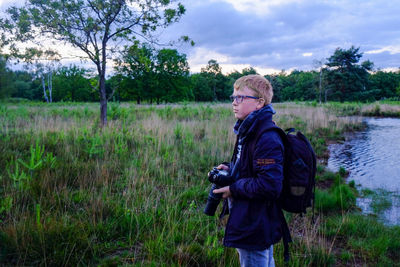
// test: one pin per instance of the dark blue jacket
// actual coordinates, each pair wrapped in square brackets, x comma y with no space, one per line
[255,220]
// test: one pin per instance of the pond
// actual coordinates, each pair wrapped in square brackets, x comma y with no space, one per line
[372,157]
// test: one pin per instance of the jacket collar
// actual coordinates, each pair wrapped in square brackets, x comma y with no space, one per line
[244,127]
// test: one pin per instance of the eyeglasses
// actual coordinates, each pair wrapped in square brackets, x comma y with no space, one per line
[239,98]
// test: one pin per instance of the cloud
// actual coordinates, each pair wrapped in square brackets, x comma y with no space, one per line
[289,34]
[392,49]
[260,41]
[196,60]
[286,34]
[259,7]
[4,4]
[384,60]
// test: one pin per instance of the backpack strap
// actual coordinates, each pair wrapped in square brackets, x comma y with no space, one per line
[281,133]
[290,130]
[286,237]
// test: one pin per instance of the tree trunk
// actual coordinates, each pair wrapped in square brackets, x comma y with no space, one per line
[102,81]
[103,100]
[215,92]
[320,85]
[44,89]
[326,95]
[50,85]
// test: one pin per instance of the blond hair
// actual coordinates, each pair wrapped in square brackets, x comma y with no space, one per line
[258,84]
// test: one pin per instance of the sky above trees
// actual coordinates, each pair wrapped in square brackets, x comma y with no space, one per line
[287,34]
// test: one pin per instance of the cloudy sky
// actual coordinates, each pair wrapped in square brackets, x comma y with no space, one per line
[272,35]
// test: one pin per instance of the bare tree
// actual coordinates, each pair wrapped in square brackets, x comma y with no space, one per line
[42,64]
[319,64]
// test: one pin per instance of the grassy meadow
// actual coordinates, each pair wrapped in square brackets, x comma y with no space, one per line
[133,193]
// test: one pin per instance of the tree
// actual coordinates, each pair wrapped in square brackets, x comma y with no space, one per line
[201,88]
[94,26]
[114,85]
[398,92]
[71,84]
[172,76]
[216,80]
[23,86]
[43,64]
[161,75]
[384,84]
[211,71]
[279,82]
[300,86]
[5,79]
[137,64]
[248,71]
[320,65]
[346,79]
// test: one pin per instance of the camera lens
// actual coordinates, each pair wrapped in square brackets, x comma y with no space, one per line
[212,201]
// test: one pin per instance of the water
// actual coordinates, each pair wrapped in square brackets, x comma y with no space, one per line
[373,159]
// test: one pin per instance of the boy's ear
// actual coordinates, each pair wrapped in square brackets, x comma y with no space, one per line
[261,103]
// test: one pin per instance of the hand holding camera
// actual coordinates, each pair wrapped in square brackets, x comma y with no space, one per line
[219,178]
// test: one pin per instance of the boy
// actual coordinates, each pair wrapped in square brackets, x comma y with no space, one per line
[254,223]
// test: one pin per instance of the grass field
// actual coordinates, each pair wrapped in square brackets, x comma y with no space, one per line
[133,193]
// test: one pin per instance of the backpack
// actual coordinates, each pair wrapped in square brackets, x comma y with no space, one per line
[299,169]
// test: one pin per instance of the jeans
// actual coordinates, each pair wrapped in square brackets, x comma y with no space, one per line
[256,258]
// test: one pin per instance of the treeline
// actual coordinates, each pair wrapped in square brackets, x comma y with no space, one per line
[145,74]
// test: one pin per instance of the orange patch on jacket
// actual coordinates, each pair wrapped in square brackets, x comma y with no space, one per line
[265,162]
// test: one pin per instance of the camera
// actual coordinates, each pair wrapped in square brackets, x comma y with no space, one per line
[218,178]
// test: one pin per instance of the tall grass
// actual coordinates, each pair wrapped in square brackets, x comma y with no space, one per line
[133,193]
[379,108]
